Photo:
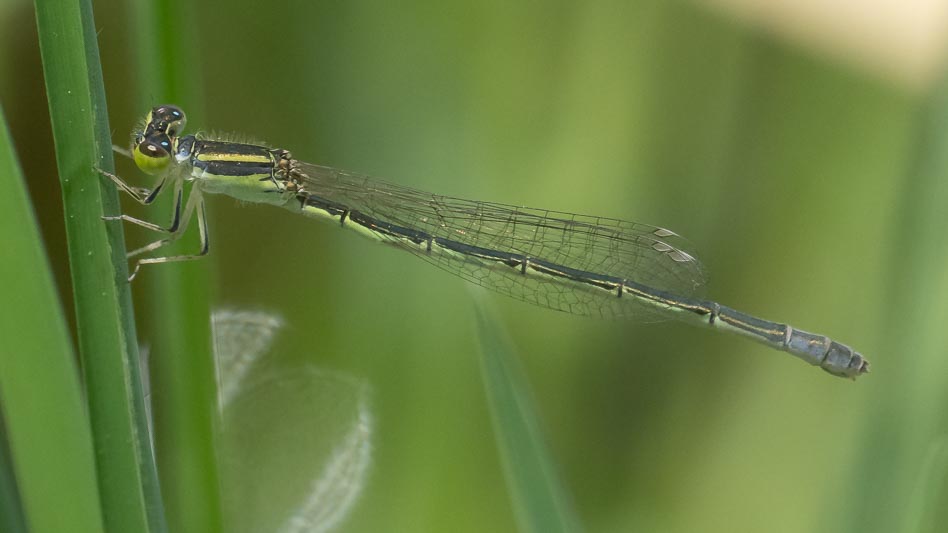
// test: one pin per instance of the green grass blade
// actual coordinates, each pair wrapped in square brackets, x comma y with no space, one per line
[540,502]
[43,413]
[177,296]
[105,324]
[908,423]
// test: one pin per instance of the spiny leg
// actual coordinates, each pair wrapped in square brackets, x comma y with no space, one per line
[175,220]
[140,194]
[195,201]
[179,225]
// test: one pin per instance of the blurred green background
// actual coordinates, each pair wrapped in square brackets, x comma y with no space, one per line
[795,176]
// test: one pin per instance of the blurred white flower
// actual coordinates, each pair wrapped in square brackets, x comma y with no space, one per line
[903,41]
[296,439]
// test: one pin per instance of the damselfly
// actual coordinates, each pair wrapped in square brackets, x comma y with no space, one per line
[585,265]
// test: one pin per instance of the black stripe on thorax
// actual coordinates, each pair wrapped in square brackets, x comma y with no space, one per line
[232,159]
[221,151]
[233,168]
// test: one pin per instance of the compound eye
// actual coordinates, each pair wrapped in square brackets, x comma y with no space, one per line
[153,154]
[168,119]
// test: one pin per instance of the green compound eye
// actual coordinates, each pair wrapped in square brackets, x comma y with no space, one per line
[153,154]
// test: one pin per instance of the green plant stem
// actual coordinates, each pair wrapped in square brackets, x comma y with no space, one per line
[178,298]
[540,501]
[104,319]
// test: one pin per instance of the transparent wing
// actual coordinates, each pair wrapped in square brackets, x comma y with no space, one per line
[645,254]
